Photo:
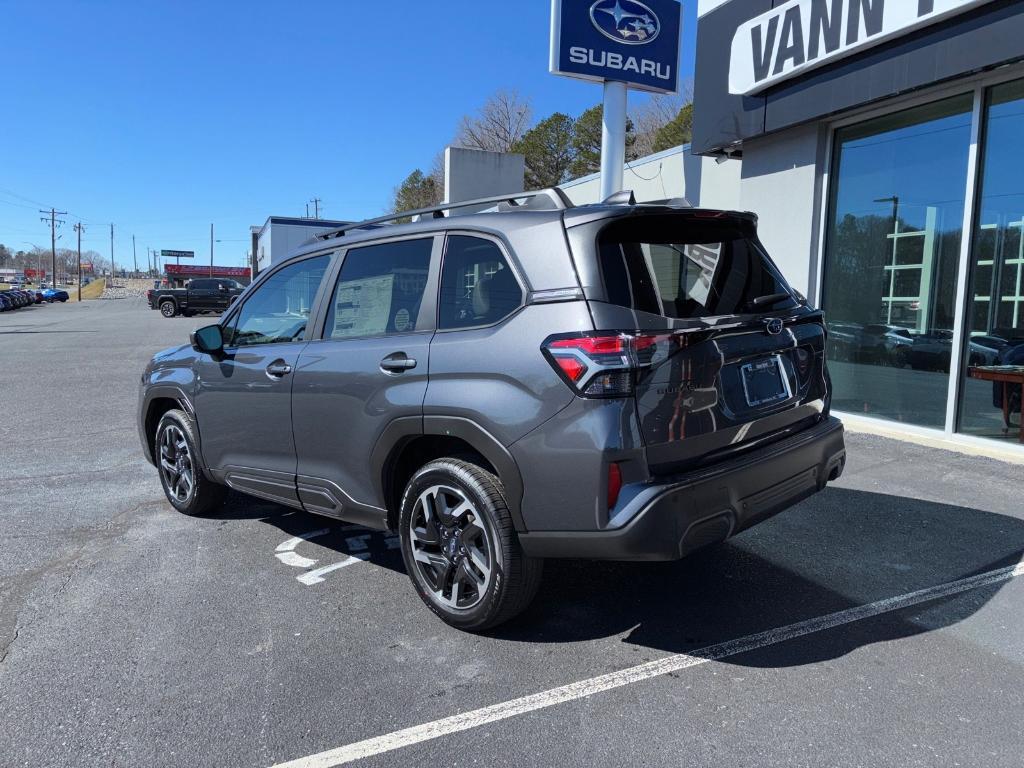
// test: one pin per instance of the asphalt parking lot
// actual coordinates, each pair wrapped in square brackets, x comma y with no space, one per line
[878,623]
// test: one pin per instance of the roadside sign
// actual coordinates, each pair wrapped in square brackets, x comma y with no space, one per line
[191,270]
[177,254]
[626,41]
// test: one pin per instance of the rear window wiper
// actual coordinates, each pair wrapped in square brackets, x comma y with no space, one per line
[770,298]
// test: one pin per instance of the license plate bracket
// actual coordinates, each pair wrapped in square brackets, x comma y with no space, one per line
[765,381]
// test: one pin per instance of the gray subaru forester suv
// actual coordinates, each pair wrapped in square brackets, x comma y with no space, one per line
[535,380]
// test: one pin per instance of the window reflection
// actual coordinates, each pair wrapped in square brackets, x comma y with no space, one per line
[991,394]
[891,260]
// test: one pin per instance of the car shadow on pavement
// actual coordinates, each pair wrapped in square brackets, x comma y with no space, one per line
[841,548]
[377,547]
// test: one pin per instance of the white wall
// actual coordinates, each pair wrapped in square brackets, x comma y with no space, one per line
[473,173]
[781,183]
[672,173]
[277,241]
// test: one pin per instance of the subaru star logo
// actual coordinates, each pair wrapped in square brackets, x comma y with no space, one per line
[625,21]
[773,326]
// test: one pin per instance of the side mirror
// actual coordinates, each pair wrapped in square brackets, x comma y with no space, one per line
[208,339]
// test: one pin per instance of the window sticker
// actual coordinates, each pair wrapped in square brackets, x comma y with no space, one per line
[402,320]
[362,307]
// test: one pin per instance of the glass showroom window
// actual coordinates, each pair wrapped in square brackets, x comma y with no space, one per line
[990,397]
[893,244]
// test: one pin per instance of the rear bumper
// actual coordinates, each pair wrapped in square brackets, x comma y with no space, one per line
[710,505]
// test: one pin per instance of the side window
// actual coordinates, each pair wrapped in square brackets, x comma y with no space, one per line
[278,310]
[380,290]
[477,285]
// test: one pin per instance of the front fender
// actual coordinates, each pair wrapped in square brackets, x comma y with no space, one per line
[169,377]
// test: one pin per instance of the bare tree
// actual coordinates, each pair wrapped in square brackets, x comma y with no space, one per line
[437,175]
[658,112]
[500,123]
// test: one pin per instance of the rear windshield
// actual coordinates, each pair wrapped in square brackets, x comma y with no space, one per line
[686,267]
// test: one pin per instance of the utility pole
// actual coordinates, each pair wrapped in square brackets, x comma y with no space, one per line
[307,210]
[112,272]
[135,261]
[316,207]
[211,249]
[54,221]
[78,229]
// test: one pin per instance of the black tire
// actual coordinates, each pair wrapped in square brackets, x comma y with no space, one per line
[168,308]
[514,577]
[204,495]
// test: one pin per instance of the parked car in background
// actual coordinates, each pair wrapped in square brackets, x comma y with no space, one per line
[984,349]
[873,344]
[843,340]
[200,295]
[5,302]
[55,294]
[886,344]
[19,298]
[931,351]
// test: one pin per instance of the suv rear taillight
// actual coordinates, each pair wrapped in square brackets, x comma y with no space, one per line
[602,364]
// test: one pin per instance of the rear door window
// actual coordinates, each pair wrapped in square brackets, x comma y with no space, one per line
[681,266]
[380,290]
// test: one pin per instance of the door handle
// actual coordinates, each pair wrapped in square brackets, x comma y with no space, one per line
[278,368]
[397,362]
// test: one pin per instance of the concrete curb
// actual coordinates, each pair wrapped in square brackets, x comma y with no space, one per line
[1008,454]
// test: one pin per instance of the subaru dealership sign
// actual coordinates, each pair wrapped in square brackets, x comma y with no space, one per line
[800,35]
[625,41]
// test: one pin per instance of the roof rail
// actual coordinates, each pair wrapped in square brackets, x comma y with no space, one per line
[551,199]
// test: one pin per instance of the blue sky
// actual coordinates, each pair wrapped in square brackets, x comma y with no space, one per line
[163,117]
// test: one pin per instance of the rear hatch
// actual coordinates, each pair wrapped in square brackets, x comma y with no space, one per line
[725,355]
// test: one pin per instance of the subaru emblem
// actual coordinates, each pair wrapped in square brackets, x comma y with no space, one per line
[625,21]
[773,326]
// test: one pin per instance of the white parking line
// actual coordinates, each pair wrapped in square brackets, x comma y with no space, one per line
[317,576]
[285,552]
[675,663]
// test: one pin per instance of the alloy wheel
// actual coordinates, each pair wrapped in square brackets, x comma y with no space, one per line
[451,546]
[176,466]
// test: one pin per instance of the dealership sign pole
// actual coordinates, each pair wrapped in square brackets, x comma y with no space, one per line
[622,44]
